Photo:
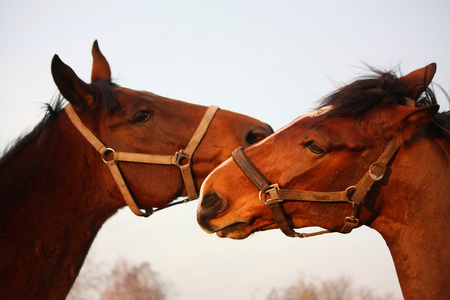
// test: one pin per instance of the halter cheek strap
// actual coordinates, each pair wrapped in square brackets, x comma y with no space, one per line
[181,159]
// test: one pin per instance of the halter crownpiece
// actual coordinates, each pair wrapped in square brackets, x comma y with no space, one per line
[181,159]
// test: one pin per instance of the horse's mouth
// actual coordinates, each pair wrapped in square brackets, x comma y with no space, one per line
[241,230]
[236,230]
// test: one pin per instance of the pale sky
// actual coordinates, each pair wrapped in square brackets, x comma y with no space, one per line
[268,59]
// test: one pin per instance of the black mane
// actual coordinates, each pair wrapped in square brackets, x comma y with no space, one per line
[361,95]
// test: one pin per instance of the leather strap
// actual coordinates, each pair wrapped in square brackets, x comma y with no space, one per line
[117,175]
[88,135]
[182,159]
[252,172]
[188,152]
[375,173]
[280,217]
[103,150]
[144,158]
[201,130]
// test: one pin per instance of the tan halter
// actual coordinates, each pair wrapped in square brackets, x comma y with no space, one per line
[181,159]
[272,195]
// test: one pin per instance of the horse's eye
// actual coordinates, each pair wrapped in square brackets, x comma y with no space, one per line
[142,116]
[314,148]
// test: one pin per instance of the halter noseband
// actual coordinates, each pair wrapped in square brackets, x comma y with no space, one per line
[272,195]
[181,159]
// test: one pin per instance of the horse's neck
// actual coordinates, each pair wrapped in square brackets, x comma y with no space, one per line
[50,213]
[414,218]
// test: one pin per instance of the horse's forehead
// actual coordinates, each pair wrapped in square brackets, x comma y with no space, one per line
[316,113]
[311,115]
[128,96]
[125,92]
[286,131]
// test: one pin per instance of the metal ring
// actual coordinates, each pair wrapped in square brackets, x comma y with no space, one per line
[180,157]
[350,191]
[105,154]
[381,166]
[260,198]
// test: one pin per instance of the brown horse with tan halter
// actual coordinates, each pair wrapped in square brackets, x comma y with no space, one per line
[56,192]
[375,153]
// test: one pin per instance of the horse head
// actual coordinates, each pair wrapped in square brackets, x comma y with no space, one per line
[316,161]
[133,121]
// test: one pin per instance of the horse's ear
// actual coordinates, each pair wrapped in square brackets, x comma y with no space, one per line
[75,90]
[100,66]
[405,120]
[418,80]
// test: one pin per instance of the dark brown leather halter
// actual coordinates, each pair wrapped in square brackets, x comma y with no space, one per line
[272,195]
[181,159]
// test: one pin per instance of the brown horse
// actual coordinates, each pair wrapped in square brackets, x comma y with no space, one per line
[375,153]
[56,192]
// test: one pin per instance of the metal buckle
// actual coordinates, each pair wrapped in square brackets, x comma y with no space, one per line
[352,219]
[272,192]
[182,159]
[349,224]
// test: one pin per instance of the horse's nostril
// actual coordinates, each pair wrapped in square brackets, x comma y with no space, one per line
[257,134]
[210,206]
[209,202]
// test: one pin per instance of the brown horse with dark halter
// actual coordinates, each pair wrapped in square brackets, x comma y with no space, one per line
[375,153]
[56,192]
